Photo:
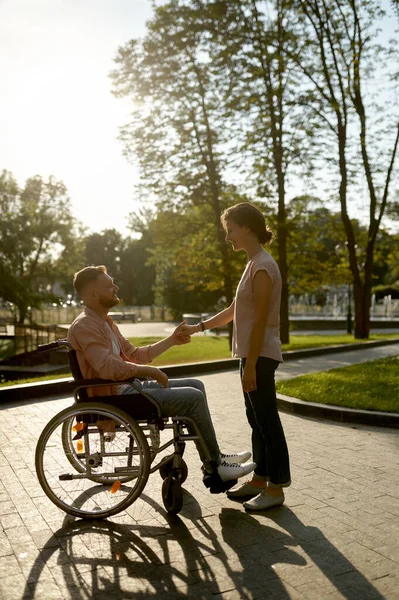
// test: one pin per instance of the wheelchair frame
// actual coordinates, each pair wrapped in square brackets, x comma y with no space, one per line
[75,492]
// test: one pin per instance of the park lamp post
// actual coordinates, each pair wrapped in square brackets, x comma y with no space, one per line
[338,250]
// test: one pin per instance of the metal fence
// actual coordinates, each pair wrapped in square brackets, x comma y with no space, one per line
[28,337]
[64,315]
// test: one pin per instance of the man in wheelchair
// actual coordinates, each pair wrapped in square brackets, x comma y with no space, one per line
[103,352]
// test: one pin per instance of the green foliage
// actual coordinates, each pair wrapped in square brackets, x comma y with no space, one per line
[186,256]
[340,58]
[173,131]
[105,248]
[137,275]
[35,229]
[384,290]
[252,92]
[386,259]
[126,260]
[179,134]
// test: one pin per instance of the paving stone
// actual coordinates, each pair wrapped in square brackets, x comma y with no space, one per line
[12,586]
[9,566]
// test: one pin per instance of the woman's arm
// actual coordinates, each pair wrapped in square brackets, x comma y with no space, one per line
[178,337]
[262,289]
[146,354]
[222,318]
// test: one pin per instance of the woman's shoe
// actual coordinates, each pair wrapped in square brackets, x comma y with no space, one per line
[239,457]
[263,501]
[243,490]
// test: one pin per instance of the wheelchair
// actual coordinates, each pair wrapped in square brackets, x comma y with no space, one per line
[94,458]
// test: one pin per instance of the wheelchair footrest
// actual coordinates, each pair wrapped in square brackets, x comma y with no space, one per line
[215,483]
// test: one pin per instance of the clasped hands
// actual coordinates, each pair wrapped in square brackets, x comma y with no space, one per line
[182,334]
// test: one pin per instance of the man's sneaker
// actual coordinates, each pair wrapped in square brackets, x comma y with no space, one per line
[243,490]
[229,471]
[263,501]
[239,457]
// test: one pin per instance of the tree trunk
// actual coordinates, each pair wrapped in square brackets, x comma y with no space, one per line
[22,312]
[282,260]
[368,281]
[214,182]
[275,104]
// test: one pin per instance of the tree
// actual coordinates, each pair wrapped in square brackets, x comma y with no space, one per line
[71,258]
[137,276]
[185,259]
[178,132]
[105,248]
[314,235]
[36,226]
[250,48]
[338,56]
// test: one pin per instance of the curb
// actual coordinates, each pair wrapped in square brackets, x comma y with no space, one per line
[31,391]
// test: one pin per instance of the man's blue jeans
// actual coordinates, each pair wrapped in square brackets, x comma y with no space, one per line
[185,398]
[269,447]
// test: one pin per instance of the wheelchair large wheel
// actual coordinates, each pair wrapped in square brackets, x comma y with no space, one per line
[72,432]
[123,462]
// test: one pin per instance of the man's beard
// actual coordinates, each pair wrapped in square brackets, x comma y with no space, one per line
[108,302]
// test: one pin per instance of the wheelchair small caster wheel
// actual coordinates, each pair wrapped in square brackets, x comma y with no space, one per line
[172,495]
[179,474]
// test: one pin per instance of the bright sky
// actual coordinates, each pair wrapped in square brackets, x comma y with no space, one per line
[57,114]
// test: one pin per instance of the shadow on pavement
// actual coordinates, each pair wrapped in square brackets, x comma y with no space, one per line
[273,548]
[202,556]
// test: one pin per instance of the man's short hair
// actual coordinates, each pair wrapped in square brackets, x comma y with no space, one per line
[85,276]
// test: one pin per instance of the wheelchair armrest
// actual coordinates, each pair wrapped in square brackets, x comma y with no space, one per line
[80,384]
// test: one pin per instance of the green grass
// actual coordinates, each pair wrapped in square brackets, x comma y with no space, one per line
[214,348]
[372,385]
[35,379]
[208,348]
[201,348]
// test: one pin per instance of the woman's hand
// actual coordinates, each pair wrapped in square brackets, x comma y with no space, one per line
[249,378]
[188,329]
[180,335]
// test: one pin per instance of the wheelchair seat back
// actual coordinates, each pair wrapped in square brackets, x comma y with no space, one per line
[136,405]
[77,373]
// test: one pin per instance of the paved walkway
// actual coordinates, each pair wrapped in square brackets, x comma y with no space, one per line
[150,328]
[336,537]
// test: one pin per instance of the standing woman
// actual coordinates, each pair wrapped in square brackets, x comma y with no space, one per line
[255,315]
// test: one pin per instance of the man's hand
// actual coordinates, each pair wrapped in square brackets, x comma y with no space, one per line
[180,335]
[152,373]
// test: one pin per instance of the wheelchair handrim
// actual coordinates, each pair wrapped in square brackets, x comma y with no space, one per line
[131,428]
